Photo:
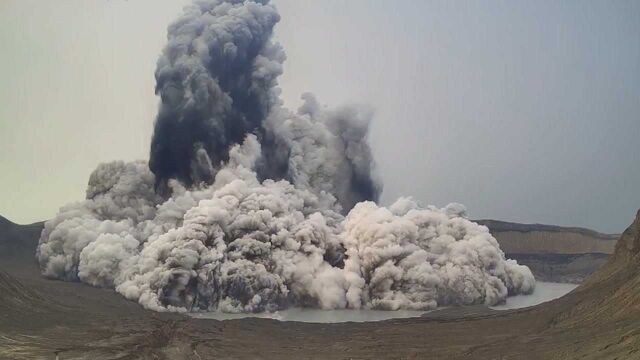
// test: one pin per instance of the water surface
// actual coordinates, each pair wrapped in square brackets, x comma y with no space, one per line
[544,292]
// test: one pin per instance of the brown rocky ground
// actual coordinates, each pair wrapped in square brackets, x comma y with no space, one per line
[554,253]
[517,238]
[39,317]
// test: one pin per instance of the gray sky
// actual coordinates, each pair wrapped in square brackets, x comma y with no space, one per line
[522,111]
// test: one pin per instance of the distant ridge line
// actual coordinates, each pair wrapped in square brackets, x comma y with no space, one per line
[497,225]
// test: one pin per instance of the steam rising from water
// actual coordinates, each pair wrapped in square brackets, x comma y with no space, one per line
[247,207]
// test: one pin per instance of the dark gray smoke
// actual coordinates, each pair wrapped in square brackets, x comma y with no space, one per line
[241,208]
[217,81]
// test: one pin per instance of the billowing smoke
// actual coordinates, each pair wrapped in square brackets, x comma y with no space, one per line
[246,206]
[217,80]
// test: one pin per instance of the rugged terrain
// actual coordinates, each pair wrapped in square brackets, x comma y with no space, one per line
[40,317]
[553,253]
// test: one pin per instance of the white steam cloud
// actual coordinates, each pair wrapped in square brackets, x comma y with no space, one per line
[243,207]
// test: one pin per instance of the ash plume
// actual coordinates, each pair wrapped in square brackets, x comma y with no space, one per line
[217,81]
[246,206]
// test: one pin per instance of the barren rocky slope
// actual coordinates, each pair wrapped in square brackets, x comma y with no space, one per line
[17,242]
[543,239]
[598,320]
[554,253]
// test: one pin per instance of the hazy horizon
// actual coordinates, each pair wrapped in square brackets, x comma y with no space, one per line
[526,112]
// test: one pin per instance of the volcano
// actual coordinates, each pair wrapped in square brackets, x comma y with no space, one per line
[41,317]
